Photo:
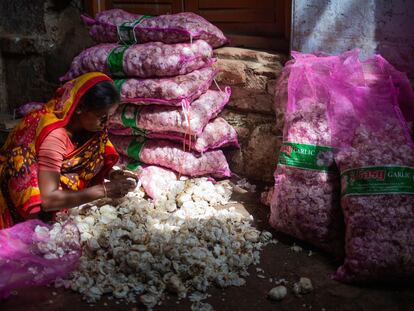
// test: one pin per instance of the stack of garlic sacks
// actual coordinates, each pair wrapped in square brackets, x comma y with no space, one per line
[168,116]
[135,249]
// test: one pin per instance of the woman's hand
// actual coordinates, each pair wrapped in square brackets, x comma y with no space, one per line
[121,174]
[54,199]
[118,188]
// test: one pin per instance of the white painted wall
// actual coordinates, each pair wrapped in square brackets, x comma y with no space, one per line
[374,26]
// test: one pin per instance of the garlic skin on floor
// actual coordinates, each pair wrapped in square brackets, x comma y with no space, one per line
[136,251]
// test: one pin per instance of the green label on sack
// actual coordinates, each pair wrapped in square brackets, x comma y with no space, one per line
[133,166]
[309,157]
[115,60]
[126,30]
[378,180]
[118,84]
[134,148]
[138,132]
[129,115]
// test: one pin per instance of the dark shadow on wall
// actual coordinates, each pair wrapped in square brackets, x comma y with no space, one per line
[38,41]
[394,33]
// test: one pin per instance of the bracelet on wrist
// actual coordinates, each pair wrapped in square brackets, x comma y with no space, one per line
[105,192]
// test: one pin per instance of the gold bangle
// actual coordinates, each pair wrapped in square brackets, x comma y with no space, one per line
[106,193]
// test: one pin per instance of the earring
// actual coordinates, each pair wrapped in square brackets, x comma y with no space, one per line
[78,111]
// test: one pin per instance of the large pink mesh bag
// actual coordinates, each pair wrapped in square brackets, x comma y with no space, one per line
[34,253]
[172,156]
[118,25]
[217,133]
[155,118]
[377,68]
[154,59]
[375,156]
[305,202]
[156,181]
[166,91]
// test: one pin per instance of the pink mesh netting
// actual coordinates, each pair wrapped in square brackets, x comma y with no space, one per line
[34,253]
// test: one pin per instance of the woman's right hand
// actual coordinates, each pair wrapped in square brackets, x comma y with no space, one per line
[118,188]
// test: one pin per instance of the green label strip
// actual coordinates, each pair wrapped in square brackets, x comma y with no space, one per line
[310,157]
[378,180]
[129,115]
[138,132]
[133,166]
[118,84]
[115,60]
[134,148]
[126,30]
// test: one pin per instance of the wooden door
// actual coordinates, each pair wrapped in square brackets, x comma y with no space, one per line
[250,23]
[145,7]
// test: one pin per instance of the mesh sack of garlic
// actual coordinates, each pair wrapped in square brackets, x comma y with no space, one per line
[137,251]
[305,202]
[375,156]
[153,59]
[34,253]
[118,25]
[166,91]
[156,118]
[167,154]
[216,134]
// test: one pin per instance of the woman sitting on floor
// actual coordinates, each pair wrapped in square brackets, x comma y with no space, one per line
[57,157]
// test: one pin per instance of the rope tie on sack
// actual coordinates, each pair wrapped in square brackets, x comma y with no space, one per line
[134,25]
[186,107]
[218,86]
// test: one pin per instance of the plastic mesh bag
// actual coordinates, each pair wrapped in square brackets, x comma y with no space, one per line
[376,160]
[377,68]
[169,155]
[305,202]
[118,25]
[170,119]
[217,133]
[281,94]
[166,91]
[104,26]
[154,59]
[34,253]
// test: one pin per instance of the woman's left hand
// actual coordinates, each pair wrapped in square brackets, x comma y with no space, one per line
[121,174]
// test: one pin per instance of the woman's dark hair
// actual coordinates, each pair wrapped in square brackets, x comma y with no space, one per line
[101,95]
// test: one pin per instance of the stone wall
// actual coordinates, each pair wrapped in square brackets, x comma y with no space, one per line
[252,76]
[38,40]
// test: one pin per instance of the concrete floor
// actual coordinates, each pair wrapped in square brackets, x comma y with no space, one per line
[278,261]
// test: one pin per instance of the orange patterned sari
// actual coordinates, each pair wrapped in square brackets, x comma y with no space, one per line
[19,190]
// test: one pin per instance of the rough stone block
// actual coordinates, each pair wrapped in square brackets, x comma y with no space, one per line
[251,100]
[247,68]
[249,55]
[232,72]
[259,145]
